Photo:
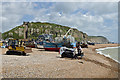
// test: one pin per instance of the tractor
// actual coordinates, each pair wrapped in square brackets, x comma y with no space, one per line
[15,47]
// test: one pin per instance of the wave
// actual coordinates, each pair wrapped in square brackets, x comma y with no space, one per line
[99,51]
[107,48]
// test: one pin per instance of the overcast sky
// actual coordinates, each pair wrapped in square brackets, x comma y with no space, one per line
[93,18]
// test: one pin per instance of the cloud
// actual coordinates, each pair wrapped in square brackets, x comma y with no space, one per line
[13,12]
[95,18]
[60,0]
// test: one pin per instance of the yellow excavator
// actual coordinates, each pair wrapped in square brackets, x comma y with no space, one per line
[15,47]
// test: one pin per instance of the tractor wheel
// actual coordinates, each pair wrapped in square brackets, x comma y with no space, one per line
[8,52]
[23,53]
[63,55]
[70,55]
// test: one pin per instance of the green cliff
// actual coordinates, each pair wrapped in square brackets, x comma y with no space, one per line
[37,28]
[98,39]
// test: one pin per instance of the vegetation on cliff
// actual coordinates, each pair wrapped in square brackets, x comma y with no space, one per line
[37,28]
[98,39]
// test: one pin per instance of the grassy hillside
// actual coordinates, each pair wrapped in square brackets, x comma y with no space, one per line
[98,39]
[37,28]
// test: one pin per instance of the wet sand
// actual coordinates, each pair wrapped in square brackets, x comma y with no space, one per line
[49,64]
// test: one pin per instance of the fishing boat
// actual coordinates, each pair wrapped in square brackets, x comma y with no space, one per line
[28,43]
[50,46]
[42,38]
[31,44]
[3,44]
[58,43]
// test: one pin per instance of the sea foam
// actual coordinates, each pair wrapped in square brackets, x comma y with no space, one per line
[107,55]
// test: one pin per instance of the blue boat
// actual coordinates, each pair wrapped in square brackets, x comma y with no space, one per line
[59,42]
[42,38]
[52,46]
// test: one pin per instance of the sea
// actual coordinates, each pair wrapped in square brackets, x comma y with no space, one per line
[111,52]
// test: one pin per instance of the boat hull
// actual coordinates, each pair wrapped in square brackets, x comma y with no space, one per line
[52,49]
[52,46]
[32,46]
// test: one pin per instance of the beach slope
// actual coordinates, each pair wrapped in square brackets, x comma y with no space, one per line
[47,64]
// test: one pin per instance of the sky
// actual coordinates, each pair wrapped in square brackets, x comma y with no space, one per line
[93,18]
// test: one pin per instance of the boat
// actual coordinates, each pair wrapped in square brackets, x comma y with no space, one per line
[42,38]
[3,44]
[32,45]
[50,46]
[58,42]
[28,43]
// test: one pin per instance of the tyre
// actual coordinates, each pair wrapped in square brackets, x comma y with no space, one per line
[8,52]
[23,53]
[63,55]
[70,55]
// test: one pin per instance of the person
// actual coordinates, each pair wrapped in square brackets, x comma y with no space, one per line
[79,49]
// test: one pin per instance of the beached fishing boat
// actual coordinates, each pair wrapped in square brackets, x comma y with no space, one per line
[3,44]
[28,43]
[58,43]
[52,46]
[42,38]
[32,45]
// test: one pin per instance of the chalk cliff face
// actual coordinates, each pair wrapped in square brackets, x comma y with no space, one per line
[37,28]
[98,39]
